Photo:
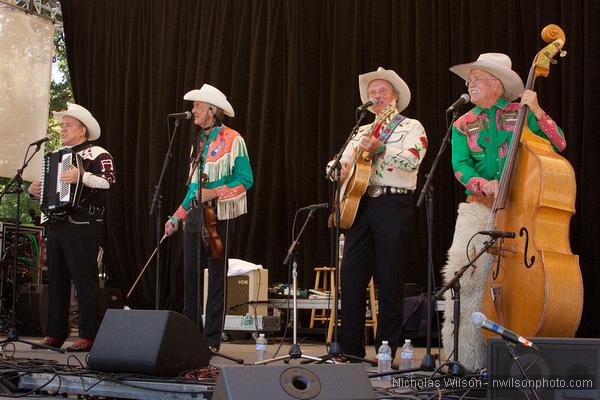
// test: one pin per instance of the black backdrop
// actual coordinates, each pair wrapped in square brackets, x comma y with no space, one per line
[290,69]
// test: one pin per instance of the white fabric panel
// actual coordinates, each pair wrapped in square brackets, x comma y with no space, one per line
[26,46]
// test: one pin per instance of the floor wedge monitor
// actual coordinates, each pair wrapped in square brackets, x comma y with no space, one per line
[159,343]
[283,382]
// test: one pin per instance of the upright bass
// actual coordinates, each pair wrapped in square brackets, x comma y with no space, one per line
[536,288]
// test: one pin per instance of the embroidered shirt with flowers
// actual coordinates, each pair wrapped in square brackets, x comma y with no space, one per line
[227,167]
[404,144]
[481,139]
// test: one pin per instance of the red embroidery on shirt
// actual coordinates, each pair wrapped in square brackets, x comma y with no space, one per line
[414,152]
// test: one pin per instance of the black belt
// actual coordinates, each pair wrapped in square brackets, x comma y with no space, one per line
[80,210]
[376,191]
[91,209]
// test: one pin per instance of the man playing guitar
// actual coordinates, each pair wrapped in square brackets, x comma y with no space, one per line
[377,238]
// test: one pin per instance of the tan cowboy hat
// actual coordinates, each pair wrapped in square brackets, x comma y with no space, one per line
[500,66]
[84,116]
[387,75]
[211,95]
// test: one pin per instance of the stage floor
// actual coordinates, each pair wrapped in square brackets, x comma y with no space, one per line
[66,372]
[239,349]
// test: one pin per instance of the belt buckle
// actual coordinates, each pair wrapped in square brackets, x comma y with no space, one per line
[398,190]
[374,191]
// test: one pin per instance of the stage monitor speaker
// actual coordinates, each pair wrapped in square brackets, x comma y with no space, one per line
[566,369]
[32,310]
[281,382]
[151,342]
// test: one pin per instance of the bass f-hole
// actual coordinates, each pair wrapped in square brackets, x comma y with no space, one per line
[525,232]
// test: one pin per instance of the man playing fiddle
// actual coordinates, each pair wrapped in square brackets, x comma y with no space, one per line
[224,162]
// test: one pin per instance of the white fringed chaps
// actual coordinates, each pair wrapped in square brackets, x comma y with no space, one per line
[472,217]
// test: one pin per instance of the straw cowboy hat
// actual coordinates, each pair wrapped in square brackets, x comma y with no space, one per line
[387,75]
[84,116]
[500,66]
[211,95]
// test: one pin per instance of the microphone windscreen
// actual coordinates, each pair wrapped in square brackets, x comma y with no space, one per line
[477,319]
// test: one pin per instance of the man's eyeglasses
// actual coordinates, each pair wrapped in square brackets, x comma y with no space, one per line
[477,80]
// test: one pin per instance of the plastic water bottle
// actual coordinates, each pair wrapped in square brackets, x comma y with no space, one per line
[261,347]
[407,356]
[384,360]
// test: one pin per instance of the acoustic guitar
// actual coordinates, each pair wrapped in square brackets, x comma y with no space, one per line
[360,172]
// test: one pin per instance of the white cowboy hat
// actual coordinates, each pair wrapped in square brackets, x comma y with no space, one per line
[84,116]
[387,75]
[500,66]
[211,95]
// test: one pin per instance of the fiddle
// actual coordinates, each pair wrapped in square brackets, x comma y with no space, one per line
[210,235]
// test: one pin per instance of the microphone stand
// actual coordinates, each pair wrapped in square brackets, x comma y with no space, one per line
[295,351]
[155,209]
[512,349]
[335,350]
[457,369]
[17,181]
[428,363]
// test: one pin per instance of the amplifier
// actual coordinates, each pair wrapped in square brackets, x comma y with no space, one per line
[246,293]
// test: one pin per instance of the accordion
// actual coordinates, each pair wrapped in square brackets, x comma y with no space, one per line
[58,196]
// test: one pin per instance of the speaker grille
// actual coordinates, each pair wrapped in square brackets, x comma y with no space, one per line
[238,294]
[565,369]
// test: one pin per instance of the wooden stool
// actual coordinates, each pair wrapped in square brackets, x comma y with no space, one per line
[326,273]
[372,322]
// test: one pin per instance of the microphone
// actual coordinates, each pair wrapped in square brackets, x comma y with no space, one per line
[463,99]
[184,115]
[313,207]
[42,140]
[480,321]
[498,234]
[368,104]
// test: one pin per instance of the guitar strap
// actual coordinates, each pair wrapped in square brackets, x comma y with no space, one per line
[386,132]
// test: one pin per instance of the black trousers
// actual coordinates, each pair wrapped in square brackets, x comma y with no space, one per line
[195,260]
[72,254]
[376,243]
